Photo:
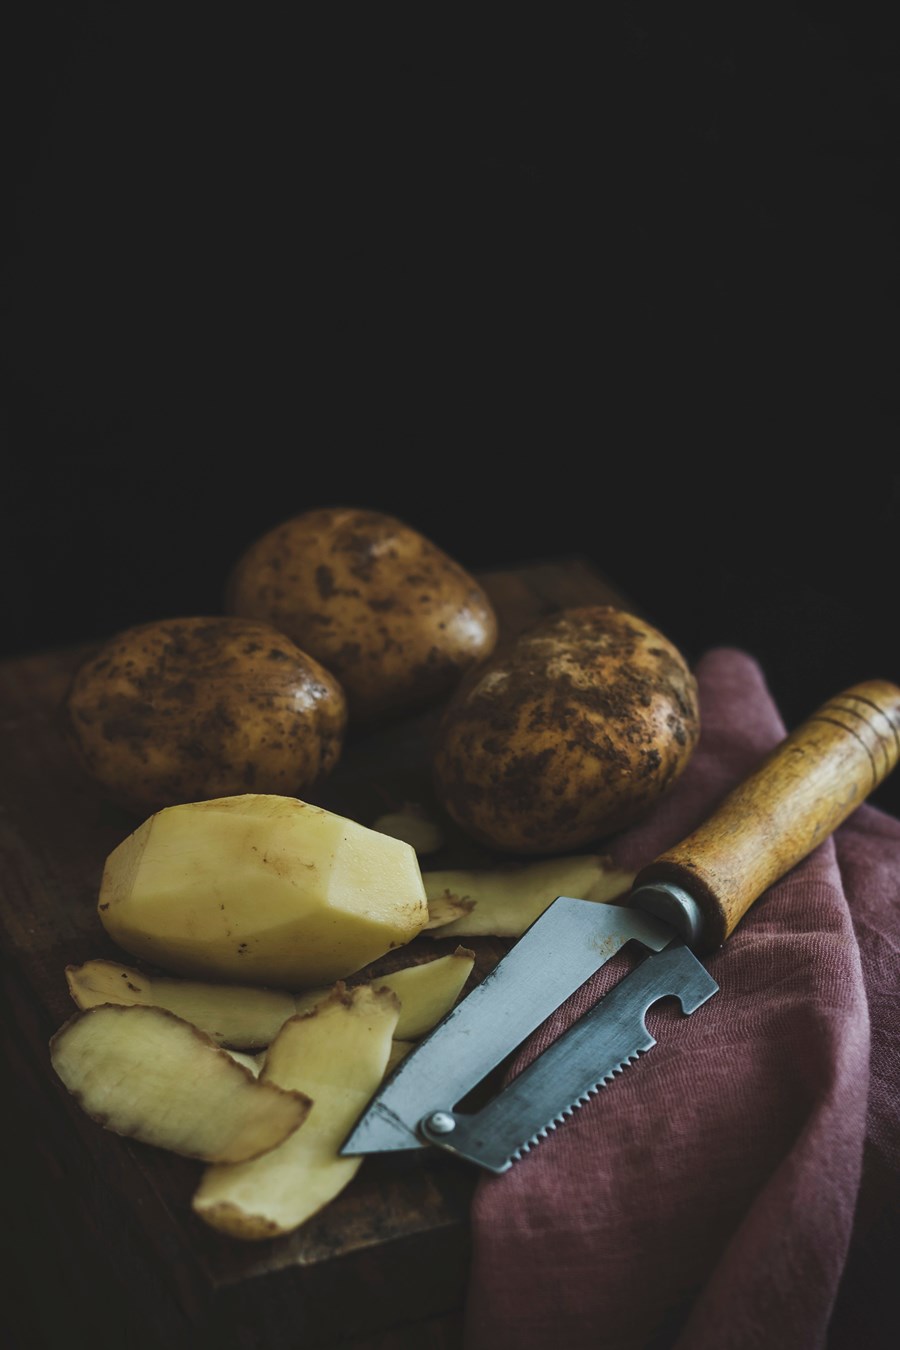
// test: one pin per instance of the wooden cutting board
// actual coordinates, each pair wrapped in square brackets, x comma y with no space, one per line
[101,1245]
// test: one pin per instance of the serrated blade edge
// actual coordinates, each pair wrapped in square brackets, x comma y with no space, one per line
[564,947]
[607,1040]
[570,1110]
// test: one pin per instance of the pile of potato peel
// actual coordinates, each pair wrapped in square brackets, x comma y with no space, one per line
[270,1123]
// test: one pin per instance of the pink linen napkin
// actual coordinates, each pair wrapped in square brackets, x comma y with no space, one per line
[737,1187]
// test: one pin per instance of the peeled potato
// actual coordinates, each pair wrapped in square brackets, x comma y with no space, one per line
[504,901]
[186,709]
[262,890]
[385,610]
[144,1073]
[337,1055]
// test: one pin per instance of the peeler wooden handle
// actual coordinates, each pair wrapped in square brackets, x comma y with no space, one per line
[801,792]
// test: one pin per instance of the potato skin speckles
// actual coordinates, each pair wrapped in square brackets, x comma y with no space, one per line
[569,734]
[394,618]
[189,709]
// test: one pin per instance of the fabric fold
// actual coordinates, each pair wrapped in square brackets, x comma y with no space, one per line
[706,1200]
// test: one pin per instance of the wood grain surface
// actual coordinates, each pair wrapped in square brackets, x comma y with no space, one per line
[772,820]
[103,1248]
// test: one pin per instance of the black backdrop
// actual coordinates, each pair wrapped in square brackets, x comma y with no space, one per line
[620,284]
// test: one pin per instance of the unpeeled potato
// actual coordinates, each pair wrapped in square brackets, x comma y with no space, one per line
[183,710]
[393,617]
[568,735]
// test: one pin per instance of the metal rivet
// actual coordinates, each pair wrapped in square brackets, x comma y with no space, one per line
[441,1122]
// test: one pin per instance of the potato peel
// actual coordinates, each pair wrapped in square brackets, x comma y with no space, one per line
[148,1075]
[337,1055]
[252,1062]
[446,907]
[399,1051]
[427,991]
[413,826]
[242,1017]
[504,901]
[245,1018]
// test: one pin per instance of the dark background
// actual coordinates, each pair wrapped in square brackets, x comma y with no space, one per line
[620,285]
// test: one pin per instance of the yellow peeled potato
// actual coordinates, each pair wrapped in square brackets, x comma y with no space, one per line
[185,709]
[260,889]
[384,609]
[569,734]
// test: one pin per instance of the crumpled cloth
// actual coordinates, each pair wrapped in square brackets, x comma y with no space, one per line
[738,1186]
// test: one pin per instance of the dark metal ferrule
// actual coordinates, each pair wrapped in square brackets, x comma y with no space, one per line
[673,905]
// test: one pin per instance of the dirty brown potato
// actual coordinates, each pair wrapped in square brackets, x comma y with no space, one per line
[568,735]
[394,618]
[187,709]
